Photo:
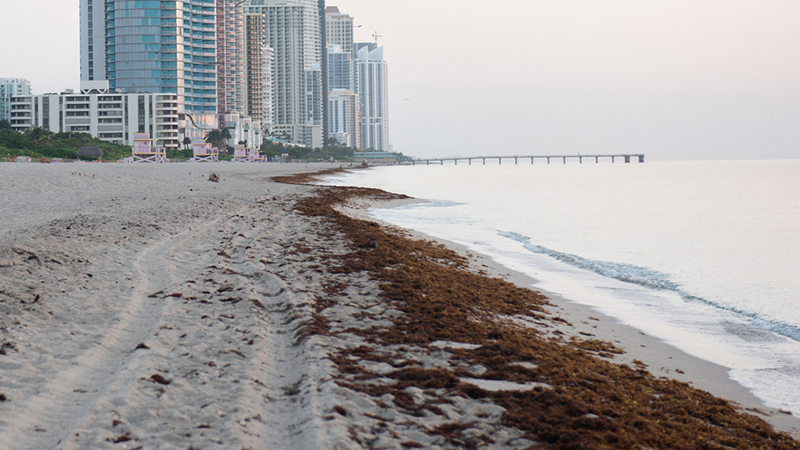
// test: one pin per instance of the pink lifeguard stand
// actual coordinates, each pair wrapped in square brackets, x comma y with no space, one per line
[204,152]
[244,154]
[254,155]
[240,154]
[145,152]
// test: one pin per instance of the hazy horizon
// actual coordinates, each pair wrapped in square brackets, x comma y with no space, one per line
[680,80]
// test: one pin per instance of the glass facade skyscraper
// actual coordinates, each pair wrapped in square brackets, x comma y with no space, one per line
[340,69]
[10,87]
[164,47]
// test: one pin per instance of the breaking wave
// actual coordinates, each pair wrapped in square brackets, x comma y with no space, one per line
[651,279]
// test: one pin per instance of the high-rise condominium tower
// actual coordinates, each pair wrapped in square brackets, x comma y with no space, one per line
[343,118]
[342,99]
[153,46]
[373,97]
[230,59]
[257,70]
[339,29]
[292,31]
[340,69]
[93,40]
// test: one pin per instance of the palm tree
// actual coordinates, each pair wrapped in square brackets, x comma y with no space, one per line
[225,136]
[39,137]
[217,138]
[214,137]
[186,142]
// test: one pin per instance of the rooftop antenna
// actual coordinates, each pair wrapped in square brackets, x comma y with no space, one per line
[376,36]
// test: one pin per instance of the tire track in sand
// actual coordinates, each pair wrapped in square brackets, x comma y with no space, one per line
[288,367]
[67,400]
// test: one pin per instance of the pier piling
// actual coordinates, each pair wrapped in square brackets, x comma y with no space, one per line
[626,157]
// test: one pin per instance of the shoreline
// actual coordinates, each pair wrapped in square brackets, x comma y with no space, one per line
[149,307]
[660,358]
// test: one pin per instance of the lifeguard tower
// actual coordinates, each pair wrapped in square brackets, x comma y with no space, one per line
[240,154]
[244,154]
[255,156]
[145,152]
[204,152]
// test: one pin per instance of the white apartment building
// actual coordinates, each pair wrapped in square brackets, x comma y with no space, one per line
[10,87]
[112,117]
[339,29]
[245,129]
[292,31]
[343,116]
[372,88]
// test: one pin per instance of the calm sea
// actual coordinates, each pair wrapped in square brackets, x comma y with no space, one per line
[704,255]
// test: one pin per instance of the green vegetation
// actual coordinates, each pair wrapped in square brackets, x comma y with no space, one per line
[39,143]
[179,155]
[331,149]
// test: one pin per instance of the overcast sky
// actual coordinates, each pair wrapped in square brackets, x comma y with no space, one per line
[675,79]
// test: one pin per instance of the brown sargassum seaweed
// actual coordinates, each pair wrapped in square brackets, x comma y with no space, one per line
[593,403]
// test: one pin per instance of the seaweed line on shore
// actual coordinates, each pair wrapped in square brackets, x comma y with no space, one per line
[564,393]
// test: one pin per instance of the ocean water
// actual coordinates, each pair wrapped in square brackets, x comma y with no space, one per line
[704,255]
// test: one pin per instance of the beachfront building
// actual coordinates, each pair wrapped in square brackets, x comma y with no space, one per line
[155,47]
[258,66]
[193,49]
[343,116]
[340,68]
[230,59]
[10,87]
[373,95]
[339,29]
[110,116]
[164,47]
[314,106]
[343,106]
[245,129]
[93,39]
[292,31]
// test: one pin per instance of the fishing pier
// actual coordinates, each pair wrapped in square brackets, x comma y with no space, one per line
[627,158]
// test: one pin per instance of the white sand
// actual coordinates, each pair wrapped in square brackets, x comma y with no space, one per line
[219,282]
[91,266]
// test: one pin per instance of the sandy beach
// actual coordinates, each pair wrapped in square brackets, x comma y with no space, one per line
[145,307]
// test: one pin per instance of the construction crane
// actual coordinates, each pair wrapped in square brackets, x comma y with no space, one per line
[376,36]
